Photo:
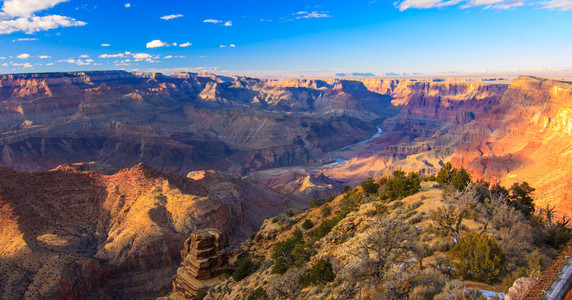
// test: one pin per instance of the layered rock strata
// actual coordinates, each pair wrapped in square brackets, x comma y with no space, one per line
[204,264]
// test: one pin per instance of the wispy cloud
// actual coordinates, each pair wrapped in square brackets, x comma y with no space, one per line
[25,39]
[557,4]
[105,45]
[215,21]
[112,55]
[23,56]
[170,17]
[187,44]
[44,57]
[311,15]
[562,5]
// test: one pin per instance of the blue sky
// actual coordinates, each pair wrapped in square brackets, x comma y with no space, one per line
[285,37]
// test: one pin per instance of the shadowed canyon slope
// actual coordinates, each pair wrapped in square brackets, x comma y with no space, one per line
[73,234]
[179,123]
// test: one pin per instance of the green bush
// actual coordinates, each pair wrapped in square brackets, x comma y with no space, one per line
[461,178]
[479,257]
[258,294]
[330,198]
[326,211]
[319,274]
[369,186]
[347,188]
[400,186]
[316,203]
[521,198]
[244,269]
[307,224]
[292,251]
[201,295]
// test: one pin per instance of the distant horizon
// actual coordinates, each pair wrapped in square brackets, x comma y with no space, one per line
[294,37]
[560,74]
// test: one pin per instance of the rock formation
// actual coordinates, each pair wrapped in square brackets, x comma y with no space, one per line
[519,288]
[204,262]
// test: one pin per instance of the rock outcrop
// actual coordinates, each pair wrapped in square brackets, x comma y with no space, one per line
[519,288]
[204,262]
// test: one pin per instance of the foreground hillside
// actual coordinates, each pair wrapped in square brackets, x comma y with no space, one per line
[371,243]
[75,234]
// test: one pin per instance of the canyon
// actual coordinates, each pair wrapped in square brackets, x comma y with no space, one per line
[106,173]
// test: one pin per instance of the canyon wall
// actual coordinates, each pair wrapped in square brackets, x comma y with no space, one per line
[71,234]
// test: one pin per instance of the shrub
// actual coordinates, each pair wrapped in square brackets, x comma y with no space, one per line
[201,295]
[252,235]
[400,186]
[244,269]
[280,267]
[369,186]
[292,251]
[520,198]
[461,178]
[396,204]
[307,224]
[316,203]
[479,257]
[347,188]
[258,294]
[319,274]
[326,211]
[330,198]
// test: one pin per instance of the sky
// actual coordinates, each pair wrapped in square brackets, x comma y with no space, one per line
[276,37]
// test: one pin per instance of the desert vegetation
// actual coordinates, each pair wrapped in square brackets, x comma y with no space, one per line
[408,236]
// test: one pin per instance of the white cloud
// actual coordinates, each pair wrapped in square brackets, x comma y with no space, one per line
[43,56]
[187,44]
[49,64]
[310,15]
[168,56]
[84,56]
[232,46]
[78,62]
[406,4]
[562,5]
[212,21]
[127,5]
[112,55]
[35,24]
[25,65]
[228,23]
[222,46]
[27,8]
[141,56]
[23,56]
[170,17]
[105,45]
[558,4]
[157,44]
[25,39]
